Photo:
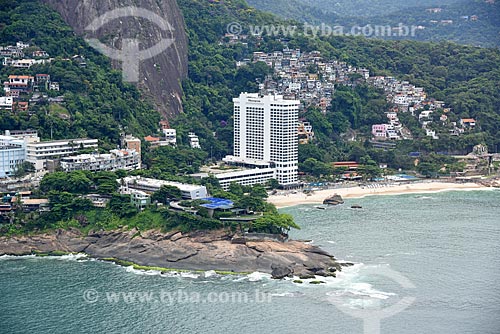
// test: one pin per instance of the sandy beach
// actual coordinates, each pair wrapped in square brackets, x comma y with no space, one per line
[317,197]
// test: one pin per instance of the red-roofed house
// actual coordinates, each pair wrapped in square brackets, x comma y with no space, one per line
[350,165]
[21,106]
[19,83]
[151,139]
[468,122]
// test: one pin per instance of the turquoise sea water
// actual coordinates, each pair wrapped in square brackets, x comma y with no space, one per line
[446,245]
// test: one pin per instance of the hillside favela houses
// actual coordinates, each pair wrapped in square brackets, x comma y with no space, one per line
[265,142]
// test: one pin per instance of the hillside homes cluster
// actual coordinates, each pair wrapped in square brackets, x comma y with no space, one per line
[306,76]
[409,98]
[17,56]
[392,130]
[18,89]
[404,95]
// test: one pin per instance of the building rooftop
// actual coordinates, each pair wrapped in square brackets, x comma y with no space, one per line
[63,141]
[246,161]
[218,203]
[159,183]
[244,172]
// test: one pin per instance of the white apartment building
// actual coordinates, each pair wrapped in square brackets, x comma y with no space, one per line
[265,128]
[38,153]
[115,160]
[12,154]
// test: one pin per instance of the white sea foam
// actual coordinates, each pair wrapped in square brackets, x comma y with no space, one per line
[173,273]
[66,257]
[69,257]
[7,257]
[188,274]
[349,287]
[258,276]
[287,294]
[131,269]
[350,282]
[209,273]
[425,197]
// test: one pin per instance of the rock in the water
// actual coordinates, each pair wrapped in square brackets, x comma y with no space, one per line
[307,276]
[280,272]
[347,264]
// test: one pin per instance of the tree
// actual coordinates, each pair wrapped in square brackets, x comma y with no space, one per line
[78,182]
[258,191]
[250,203]
[428,169]
[275,223]
[23,169]
[272,184]
[121,206]
[236,189]
[54,182]
[316,168]
[166,194]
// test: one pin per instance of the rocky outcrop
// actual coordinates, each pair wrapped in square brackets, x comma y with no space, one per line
[160,77]
[334,200]
[194,251]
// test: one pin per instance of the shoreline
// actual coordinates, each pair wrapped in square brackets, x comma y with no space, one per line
[317,197]
[174,251]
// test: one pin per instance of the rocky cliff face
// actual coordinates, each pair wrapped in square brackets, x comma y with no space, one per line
[194,251]
[160,77]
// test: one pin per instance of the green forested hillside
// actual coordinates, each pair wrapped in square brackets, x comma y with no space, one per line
[483,31]
[347,8]
[97,102]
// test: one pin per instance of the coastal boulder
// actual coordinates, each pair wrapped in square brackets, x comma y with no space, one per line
[279,272]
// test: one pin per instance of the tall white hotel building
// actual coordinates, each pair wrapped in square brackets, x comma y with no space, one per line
[265,130]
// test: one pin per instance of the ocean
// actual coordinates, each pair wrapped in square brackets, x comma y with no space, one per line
[422,264]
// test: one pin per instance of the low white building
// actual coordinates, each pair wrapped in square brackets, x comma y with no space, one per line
[29,136]
[138,198]
[189,191]
[23,63]
[115,160]
[170,136]
[194,141]
[431,133]
[54,86]
[39,153]
[6,102]
[246,177]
